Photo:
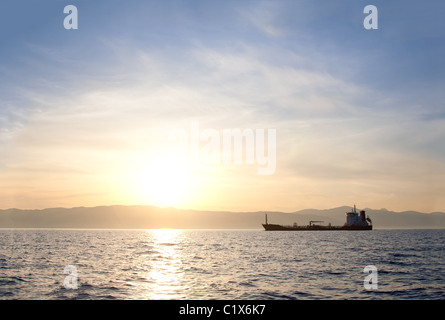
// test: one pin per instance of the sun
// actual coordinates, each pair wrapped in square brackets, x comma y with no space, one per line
[162,181]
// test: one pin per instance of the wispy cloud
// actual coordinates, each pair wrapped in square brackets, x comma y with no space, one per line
[357,114]
[265,16]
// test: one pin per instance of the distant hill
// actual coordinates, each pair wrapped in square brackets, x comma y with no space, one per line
[382,218]
[149,217]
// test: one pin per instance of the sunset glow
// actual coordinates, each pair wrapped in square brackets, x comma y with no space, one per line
[163,181]
[87,114]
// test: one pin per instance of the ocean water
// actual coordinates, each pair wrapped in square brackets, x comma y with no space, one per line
[220,264]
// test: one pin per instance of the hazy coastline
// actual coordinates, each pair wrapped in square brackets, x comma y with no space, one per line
[151,217]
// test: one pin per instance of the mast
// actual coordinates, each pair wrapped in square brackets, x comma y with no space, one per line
[266,218]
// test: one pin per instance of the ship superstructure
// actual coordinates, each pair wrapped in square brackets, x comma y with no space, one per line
[355,219]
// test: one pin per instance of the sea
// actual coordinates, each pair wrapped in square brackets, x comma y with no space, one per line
[164,264]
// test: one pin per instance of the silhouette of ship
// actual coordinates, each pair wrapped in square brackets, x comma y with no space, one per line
[354,221]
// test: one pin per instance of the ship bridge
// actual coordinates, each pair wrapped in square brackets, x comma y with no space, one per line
[355,219]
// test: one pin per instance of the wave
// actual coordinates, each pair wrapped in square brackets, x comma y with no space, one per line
[222,265]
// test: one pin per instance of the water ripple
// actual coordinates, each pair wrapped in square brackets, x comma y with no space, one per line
[175,264]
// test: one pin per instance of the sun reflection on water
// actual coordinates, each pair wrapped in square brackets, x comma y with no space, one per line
[165,270]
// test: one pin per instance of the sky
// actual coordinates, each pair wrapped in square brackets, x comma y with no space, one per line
[114,111]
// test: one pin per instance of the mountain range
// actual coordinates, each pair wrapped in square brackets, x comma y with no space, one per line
[150,217]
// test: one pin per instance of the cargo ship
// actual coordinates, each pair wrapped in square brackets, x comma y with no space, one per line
[354,221]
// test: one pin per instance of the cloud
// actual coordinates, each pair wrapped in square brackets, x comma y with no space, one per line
[345,116]
[265,17]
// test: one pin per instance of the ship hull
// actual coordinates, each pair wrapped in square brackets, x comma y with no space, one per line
[277,227]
